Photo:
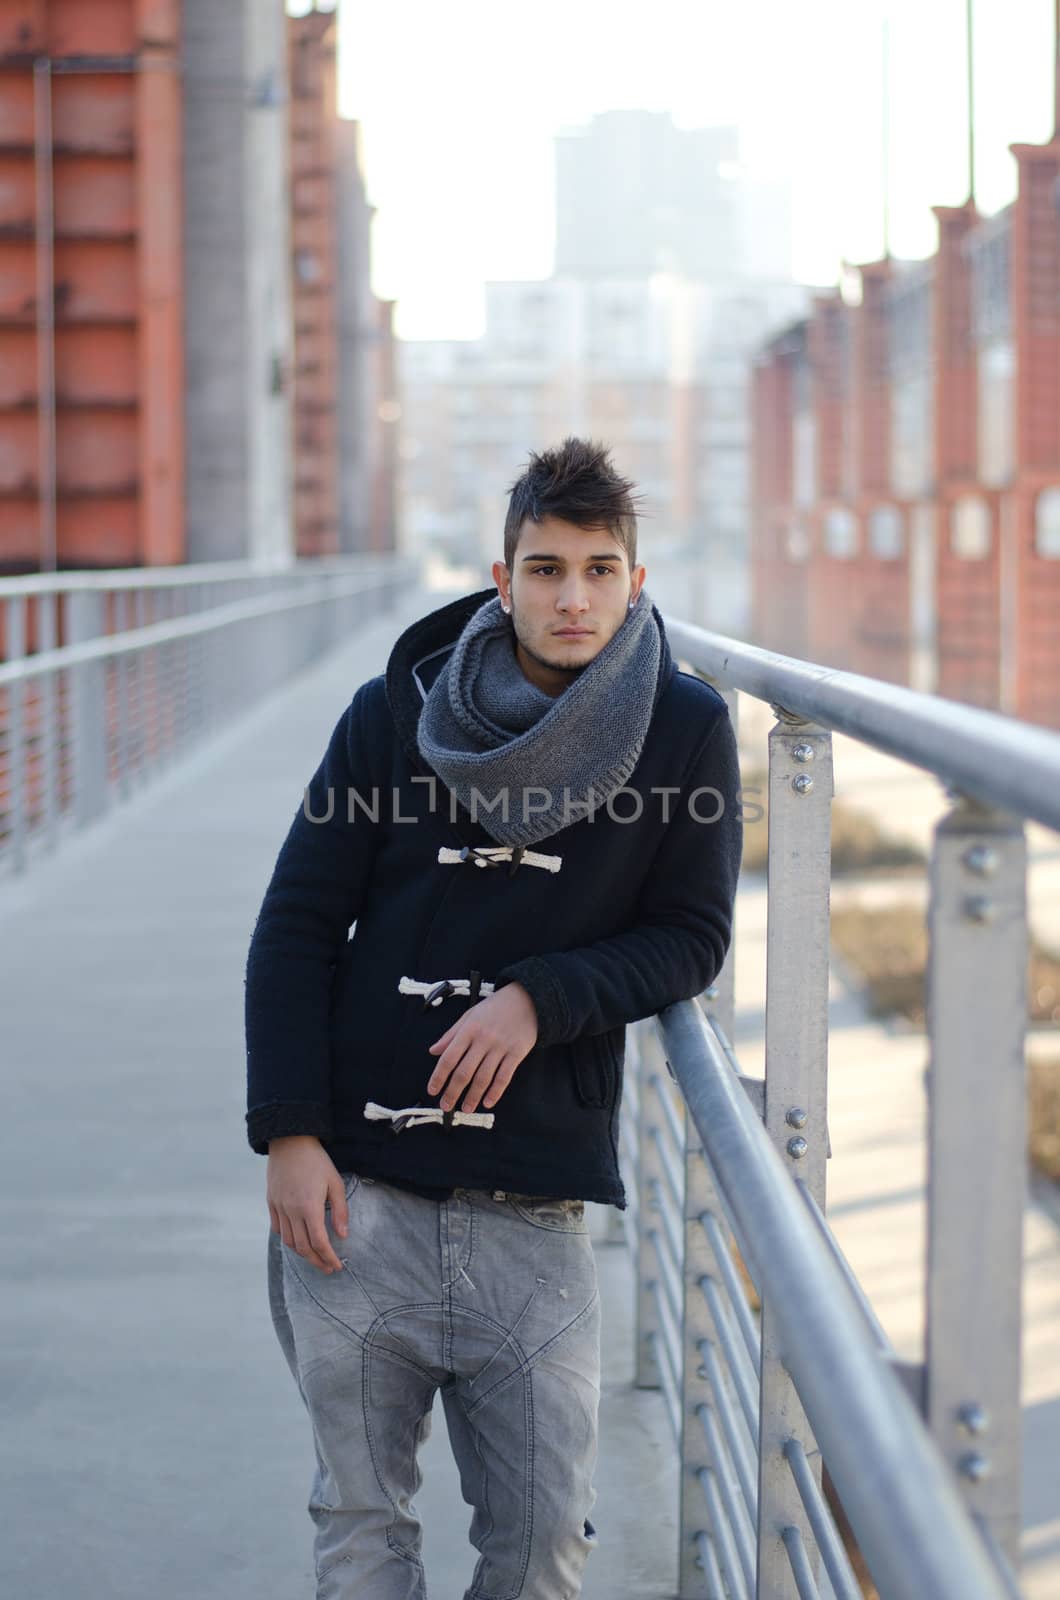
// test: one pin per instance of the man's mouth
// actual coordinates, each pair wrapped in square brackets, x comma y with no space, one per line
[573,633]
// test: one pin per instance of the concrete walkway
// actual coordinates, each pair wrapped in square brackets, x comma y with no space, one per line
[153,1441]
[876,1120]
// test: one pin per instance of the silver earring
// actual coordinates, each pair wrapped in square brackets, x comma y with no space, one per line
[504,607]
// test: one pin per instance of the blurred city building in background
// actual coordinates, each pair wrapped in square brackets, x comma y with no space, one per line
[670,266]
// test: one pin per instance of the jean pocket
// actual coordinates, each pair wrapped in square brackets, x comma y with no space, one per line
[350,1182]
[545,1211]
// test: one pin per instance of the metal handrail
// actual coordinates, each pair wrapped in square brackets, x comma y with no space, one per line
[923,1456]
[995,758]
[910,1522]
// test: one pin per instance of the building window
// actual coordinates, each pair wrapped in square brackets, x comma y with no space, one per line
[970,528]
[885,532]
[797,542]
[307,266]
[1047,524]
[840,533]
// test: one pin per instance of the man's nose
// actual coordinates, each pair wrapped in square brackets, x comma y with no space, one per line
[572,598]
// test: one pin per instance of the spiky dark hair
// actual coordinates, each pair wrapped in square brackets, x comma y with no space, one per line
[577,482]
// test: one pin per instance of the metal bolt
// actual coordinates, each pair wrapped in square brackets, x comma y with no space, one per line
[796,1117]
[802,784]
[802,752]
[701,1372]
[974,1466]
[972,1417]
[981,859]
[797,1148]
[978,908]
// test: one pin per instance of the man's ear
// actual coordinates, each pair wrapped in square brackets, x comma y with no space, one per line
[501,578]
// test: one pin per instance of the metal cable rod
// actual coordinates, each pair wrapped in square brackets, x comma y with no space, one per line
[730,1562]
[836,1561]
[731,1278]
[741,1449]
[740,1525]
[801,1571]
[744,1375]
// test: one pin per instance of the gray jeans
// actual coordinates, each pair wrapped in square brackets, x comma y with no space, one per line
[493,1299]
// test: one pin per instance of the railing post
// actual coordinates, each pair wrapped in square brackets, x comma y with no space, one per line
[977,1156]
[796,1087]
[85,620]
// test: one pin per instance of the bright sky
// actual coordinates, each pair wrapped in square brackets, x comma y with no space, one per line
[459,104]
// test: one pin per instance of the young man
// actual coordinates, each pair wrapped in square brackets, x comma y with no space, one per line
[532,818]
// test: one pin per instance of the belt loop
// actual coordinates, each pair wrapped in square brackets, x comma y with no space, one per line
[473,987]
[517,856]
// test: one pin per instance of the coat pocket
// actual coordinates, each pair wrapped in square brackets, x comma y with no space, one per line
[594,1070]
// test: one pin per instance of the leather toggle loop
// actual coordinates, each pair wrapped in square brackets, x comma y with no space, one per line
[439,992]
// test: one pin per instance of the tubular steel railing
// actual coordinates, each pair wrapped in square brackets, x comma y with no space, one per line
[108,677]
[925,1457]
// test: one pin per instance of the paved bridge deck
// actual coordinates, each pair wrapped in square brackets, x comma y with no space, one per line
[154,1442]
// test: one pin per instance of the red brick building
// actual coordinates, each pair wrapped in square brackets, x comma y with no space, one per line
[906,464]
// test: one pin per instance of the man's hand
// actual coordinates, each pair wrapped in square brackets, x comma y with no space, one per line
[301,1176]
[483,1048]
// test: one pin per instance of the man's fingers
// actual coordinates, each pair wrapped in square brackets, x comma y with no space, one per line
[462,1076]
[316,1250]
[501,1079]
[481,1081]
[340,1211]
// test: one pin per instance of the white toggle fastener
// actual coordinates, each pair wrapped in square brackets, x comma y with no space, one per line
[483,854]
[459,986]
[412,1115]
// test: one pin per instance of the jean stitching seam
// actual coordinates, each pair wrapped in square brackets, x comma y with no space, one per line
[528,1363]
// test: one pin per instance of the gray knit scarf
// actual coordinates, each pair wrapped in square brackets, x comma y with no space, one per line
[484,726]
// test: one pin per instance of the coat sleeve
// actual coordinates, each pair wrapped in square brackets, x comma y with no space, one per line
[316,891]
[684,915]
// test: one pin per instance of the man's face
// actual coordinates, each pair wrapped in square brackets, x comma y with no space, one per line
[569,592]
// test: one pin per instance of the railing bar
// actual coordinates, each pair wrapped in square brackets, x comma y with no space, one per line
[670,1396]
[666,1215]
[709,1562]
[739,1520]
[801,1571]
[1008,763]
[664,1096]
[740,1448]
[671,1284]
[156,633]
[847,1270]
[666,1166]
[744,1376]
[736,1293]
[730,1565]
[836,1560]
[730,1217]
[671,1340]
